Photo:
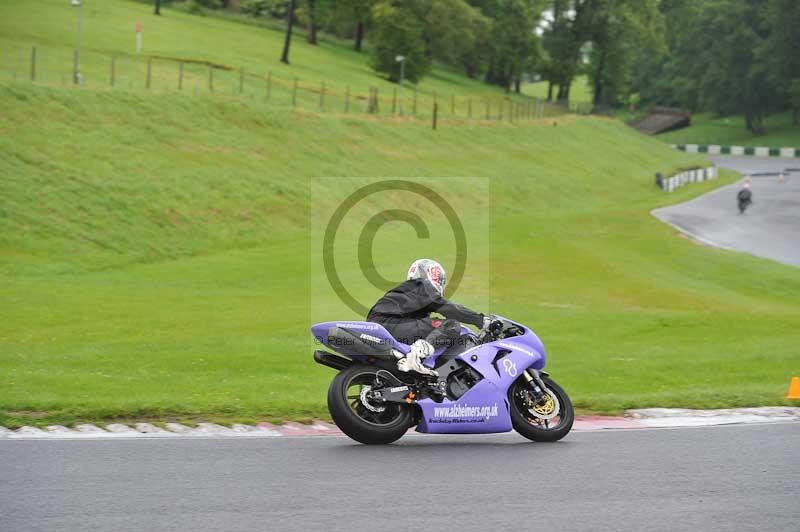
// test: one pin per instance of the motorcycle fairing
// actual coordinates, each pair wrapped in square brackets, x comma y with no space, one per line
[373,331]
[369,331]
[484,408]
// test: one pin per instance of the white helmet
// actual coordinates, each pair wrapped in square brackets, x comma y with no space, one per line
[431,271]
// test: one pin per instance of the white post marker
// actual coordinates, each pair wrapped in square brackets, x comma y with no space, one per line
[139,33]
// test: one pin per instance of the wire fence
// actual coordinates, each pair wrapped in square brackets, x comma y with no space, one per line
[98,71]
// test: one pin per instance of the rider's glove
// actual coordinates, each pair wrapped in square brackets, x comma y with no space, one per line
[487,320]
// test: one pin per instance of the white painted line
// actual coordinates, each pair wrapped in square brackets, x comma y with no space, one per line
[59,430]
[702,421]
[644,418]
[212,429]
[30,432]
[151,430]
[782,412]
[123,430]
[250,430]
[183,430]
[86,428]
[692,235]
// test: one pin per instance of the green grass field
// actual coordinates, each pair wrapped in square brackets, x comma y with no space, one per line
[157,255]
[730,131]
[200,41]
[155,263]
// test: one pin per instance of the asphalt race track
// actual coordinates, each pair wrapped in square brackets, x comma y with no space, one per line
[770,228]
[726,478]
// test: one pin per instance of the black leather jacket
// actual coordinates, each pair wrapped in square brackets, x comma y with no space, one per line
[416,299]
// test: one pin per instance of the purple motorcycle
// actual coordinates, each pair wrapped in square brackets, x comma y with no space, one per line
[487,382]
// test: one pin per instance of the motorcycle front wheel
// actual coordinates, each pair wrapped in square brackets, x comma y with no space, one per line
[364,421]
[546,420]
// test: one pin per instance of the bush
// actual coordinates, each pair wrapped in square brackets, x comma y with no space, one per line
[265,8]
[396,32]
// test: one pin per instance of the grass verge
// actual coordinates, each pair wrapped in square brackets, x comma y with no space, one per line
[154,258]
[730,131]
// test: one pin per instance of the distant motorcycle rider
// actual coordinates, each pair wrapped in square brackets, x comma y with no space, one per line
[745,197]
[405,312]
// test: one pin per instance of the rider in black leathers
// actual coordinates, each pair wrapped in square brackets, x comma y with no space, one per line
[744,197]
[405,312]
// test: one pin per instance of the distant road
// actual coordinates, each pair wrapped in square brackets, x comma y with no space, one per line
[770,228]
[712,479]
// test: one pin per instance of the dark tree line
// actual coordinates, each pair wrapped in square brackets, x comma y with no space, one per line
[725,56]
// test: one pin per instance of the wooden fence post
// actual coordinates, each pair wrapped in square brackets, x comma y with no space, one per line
[294,93]
[414,106]
[241,80]
[394,100]
[322,96]
[211,78]
[347,99]
[113,70]
[452,105]
[33,63]
[149,68]
[180,76]
[487,109]
[435,112]
[469,108]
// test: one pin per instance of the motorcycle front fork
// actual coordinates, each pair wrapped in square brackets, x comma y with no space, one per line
[536,383]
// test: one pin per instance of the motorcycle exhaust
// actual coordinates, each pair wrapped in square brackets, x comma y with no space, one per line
[332,361]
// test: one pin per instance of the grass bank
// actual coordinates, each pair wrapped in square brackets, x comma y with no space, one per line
[730,131]
[154,258]
[180,49]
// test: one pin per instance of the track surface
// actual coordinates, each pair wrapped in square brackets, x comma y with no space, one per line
[711,479]
[770,228]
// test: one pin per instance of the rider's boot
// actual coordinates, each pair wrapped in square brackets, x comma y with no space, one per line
[413,360]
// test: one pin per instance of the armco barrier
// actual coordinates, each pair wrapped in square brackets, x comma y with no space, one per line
[758,151]
[668,184]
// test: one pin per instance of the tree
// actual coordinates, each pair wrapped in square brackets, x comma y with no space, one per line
[510,42]
[795,101]
[780,51]
[289,23]
[455,33]
[616,30]
[563,41]
[351,18]
[660,73]
[313,16]
[396,32]
[158,7]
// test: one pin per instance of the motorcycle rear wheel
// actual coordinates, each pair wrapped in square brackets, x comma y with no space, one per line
[371,424]
[530,423]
